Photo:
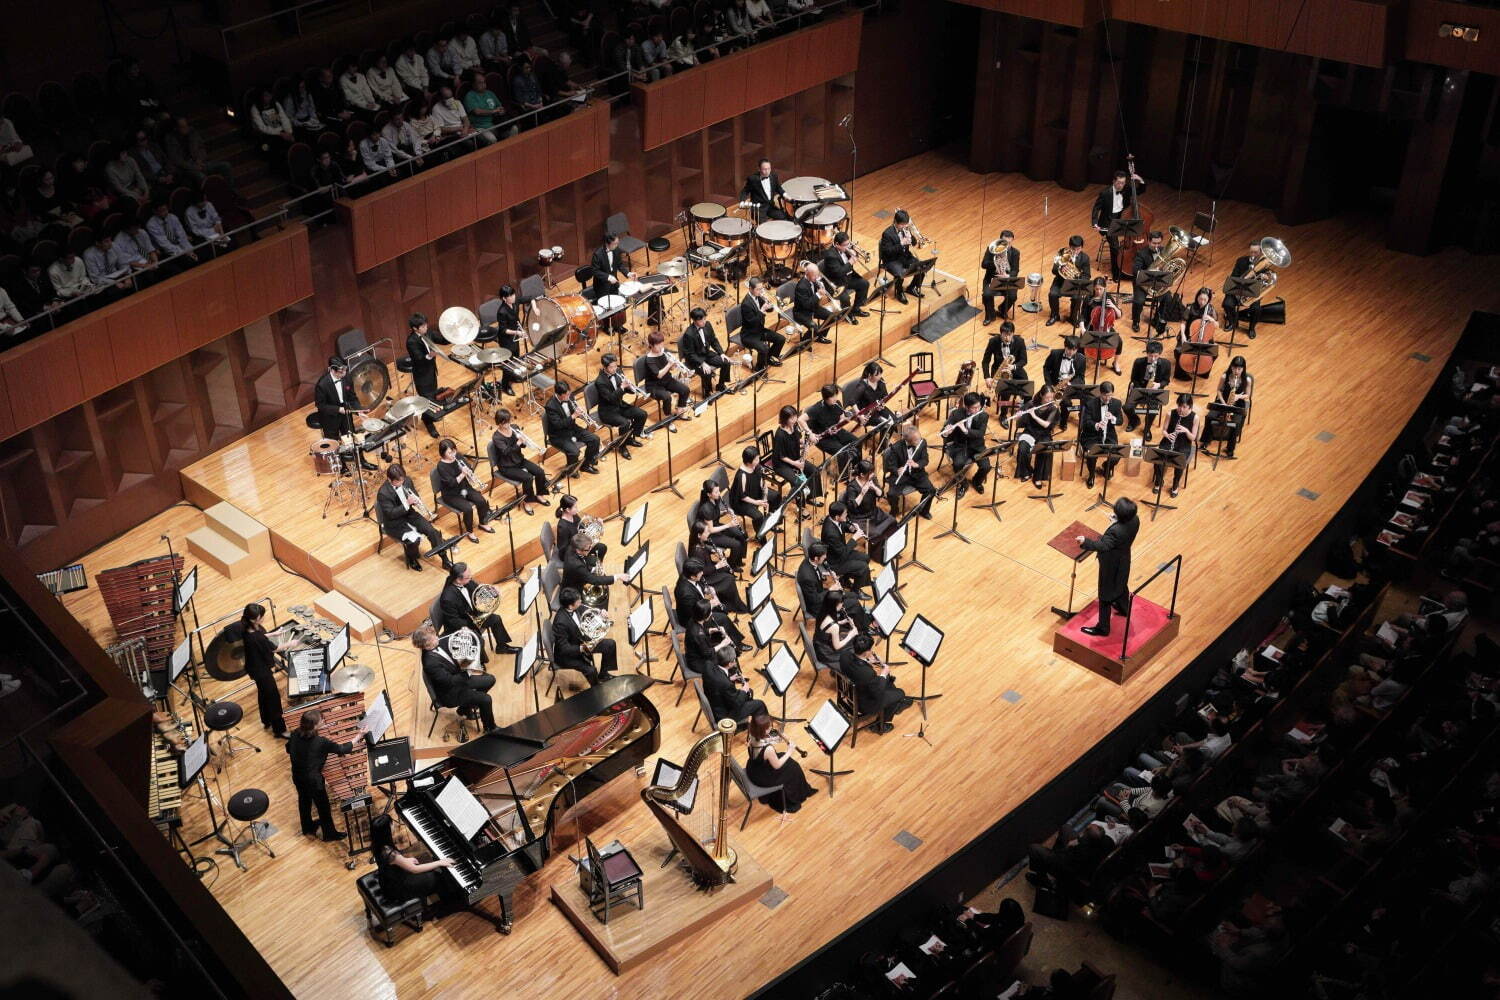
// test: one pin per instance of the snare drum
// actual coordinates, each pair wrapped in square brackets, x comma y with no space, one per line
[614,305]
[820,224]
[704,215]
[573,313]
[776,242]
[325,457]
[732,233]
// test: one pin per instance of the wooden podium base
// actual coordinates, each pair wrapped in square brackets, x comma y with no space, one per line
[1150,632]
[674,909]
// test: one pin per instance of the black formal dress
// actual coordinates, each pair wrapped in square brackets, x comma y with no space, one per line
[455,687]
[700,348]
[897,258]
[455,491]
[686,593]
[260,665]
[509,461]
[864,509]
[794,787]
[1143,373]
[732,540]
[507,320]
[746,486]
[1113,549]
[869,401]
[1181,443]
[764,194]
[563,432]
[841,270]
[847,560]
[456,604]
[1055,290]
[567,649]
[660,382]
[1012,260]
[1090,431]
[308,754]
[1035,429]
[1194,312]
[609,391]
[786,447]
[755,335]
[1230,434]
[875,694]
[822,417]
[329,395]
[400,521]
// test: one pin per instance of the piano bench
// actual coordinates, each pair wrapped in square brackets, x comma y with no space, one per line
[385,913]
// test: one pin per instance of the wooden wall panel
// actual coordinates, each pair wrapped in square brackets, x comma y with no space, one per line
[142,334]
[1356,31]
[526,168]
[399,217]
[96,356]
[730,94]
[1422,44]
[489,180]
[1075,13]
[451,199]
[210,305]
[42,379]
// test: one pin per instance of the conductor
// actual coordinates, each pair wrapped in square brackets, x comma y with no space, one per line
[1114,563]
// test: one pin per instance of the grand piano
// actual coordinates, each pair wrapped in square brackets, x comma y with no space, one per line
[509,785]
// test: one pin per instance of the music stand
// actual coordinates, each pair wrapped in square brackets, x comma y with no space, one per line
[923,640]
[994,504]
[780,670]
[1242,288]
[638,630]
[886,616]
[1021,390]
[630,529]
[1076,289]
[1105,450]
[670,486]
[525,663]
[1100,341]
[765,555]
[1049,449]
[1152,399]
[1066,542]
[713,398]
[828,728]
[764,624]
[885,581]
[1155,284]
[1193,348]
[1012,284]
[1227,416]
[635,565]
[1162,458]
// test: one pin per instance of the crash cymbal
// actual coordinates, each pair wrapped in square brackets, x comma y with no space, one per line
[494,355]
[406,407]
[351,677]
[677,267]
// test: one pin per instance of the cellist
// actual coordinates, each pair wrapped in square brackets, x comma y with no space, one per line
[1200,324]
[1112,204]
[1101,314]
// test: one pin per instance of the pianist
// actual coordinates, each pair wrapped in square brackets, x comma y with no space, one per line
[451,682]
[309,750]
[403,877]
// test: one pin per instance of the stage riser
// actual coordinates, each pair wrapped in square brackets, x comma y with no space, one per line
[1112,667]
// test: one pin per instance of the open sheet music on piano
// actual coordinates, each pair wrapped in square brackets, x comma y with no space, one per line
[463,810]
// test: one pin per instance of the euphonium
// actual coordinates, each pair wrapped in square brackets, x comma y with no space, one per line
[1065,266]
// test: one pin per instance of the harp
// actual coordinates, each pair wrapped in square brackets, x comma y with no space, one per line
[699,833]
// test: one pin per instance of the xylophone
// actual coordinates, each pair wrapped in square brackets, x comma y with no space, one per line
[139,598]
[345,777]
[163,793]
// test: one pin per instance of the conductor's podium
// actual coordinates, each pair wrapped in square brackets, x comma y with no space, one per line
[1151,629]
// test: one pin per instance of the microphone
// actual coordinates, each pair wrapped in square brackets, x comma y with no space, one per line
[845,121]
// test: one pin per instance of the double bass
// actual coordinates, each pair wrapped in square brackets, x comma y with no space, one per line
[1135,210]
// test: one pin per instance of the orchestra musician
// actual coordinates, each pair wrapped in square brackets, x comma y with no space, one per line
[701,351]
[769,768]
[816,579]
[508,461]
[869,396]
[458,488]
[1145,256]
[875,688]
[963,435]
[862,499]
[1064,367]
[1100,314]
[836,628]
[896,256]
[1179,433]
[822,419]
[1202,307]
[562,431]
[424,372]
[1113,548]
[568,519]
[694,585]
[508,333]
[1036,423]
[719,570]
[569,650]
[334,401]
[627,418]
[581,566]
[1075,255]
[701,639]
[1000,260]
[307,751]
[1234,390]
[763,190]
[610,264]
[260,664]
[842,536]
[755,307]
[1099,423]
[724,528]
[808,296]
[1243,266]
[1108,207]
[1149,372]
[456,608]
[906,466]
[728,692]
[402,515]
[789,456]
[660,383]
[748,494]
[839,264]
[1004,356]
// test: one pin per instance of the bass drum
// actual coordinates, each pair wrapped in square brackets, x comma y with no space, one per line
[573,314]
[225,657]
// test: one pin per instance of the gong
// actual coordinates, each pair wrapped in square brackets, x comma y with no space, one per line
[371,381]
[225,659]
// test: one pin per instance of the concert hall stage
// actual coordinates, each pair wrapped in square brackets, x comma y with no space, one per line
[1333,388]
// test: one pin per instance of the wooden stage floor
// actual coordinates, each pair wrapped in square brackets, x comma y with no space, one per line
[1333,389]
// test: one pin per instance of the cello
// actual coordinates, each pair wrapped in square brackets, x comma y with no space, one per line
[1201,330]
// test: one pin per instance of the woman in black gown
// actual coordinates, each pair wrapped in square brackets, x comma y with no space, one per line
[403,877]
[719,571]
[260,664]
[767,766]
[725,531]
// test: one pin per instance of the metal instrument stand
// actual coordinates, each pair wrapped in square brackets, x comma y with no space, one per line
[1106,451]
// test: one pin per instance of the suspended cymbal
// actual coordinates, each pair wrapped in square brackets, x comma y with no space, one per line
[494,355]
[677,267]
[403,408]
[458,325]
[351,677]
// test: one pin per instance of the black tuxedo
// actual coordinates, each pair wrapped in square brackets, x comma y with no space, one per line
[609,391]
[896,457]
[564,434]
[1113,548]
[456,606]
[700,347]
[1103,213]
[843,557]
[1008,297]
[579,570]
[725,699]
[326,399]
[424,373]
[568,652]
[994,355]
[1055,290]
[966,445]
[455,687]
[609,264]
[766,206]
[1144,256]
[1089,432]
[843,274]
[1052,375]
[403,524]
[1143,372]
[873,692]
[754,334]
[1242,267]
[898,259]
[806,305]
[810,587]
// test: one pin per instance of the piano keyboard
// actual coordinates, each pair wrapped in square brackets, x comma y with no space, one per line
[441,841]
[305,674]
[65,580]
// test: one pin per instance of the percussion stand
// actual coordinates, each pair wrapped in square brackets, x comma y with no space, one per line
[1035,308]
[365,505]
[1106,451]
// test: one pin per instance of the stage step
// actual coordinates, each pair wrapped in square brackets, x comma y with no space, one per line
[219,552]
[241,529]
[339,609]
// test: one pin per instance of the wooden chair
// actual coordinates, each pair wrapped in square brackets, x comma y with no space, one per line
[923,374]
[610,877]
[1009,955]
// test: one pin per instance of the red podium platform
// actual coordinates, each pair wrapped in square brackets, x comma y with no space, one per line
[1150,632]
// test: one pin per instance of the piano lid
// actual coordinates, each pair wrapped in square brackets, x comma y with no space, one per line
[520,740]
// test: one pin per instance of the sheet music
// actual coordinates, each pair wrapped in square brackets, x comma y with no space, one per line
[530,587]
[885,580]
[637,562]
[772,520]
[782,669]
[923,640]
[338,648]
[377,718]
[181,657]
[187,588]
[895,544]
[193,759]
[760,589]
[765,623]
[829,725]
[525,658]
[888,614]
[639,621]
[764,554]
[667,774]
[463,810]
[633,524]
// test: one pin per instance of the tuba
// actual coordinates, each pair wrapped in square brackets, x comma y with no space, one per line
[1168,260]
[1273,254]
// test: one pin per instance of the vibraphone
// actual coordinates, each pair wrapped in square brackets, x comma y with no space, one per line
[139,598]
[344,777]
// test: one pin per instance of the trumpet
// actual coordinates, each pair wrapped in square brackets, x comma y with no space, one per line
[415,502]
[467,474]
[673,363]
[526,442]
